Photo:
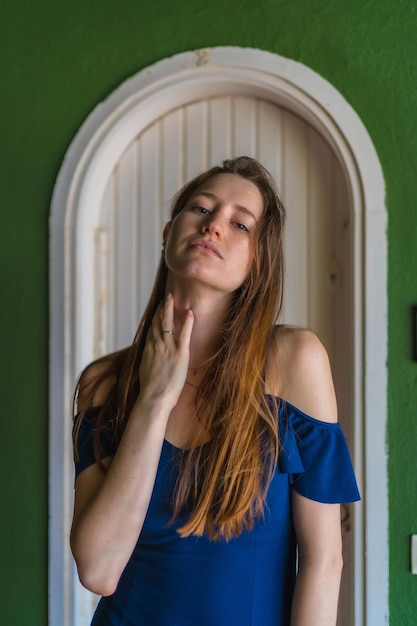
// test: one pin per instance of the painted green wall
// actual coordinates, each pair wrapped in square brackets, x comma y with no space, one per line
[58,60]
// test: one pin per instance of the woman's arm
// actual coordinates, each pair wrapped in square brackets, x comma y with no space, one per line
[318,531]
[109,509]
[303,378]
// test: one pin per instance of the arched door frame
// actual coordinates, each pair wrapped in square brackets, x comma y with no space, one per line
[75,205]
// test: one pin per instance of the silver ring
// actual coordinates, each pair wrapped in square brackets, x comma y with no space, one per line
[170,332]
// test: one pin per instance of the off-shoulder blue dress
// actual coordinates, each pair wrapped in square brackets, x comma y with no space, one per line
[248,581]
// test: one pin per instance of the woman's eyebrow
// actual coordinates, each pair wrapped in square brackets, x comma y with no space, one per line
[239,207]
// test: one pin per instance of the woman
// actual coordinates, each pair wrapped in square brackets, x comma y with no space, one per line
[197,476]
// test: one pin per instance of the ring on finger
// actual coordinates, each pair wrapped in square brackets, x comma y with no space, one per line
[170,332]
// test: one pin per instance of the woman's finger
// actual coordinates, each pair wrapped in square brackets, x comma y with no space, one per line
[186,330]
[167,324]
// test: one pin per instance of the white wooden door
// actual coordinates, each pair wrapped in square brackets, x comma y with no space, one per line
[318,240]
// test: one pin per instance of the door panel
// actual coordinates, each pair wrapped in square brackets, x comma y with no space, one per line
[318,238]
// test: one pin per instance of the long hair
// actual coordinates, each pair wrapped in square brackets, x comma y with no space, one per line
[222,485]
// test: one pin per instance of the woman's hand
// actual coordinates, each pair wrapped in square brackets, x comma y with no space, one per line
[166,355]
[109,509]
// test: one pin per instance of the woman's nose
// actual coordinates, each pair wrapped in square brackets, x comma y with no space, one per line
[213,226]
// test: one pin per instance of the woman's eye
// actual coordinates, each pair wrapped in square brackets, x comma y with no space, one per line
[200,209]
[242,227]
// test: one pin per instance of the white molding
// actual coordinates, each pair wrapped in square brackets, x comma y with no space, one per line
[76,200]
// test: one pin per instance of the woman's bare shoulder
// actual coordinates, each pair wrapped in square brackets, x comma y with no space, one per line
[97,380]
[299,371]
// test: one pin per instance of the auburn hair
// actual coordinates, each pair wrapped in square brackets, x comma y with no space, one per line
[222,484]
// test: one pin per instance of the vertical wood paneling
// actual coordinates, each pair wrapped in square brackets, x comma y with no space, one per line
[173,151]
[102,292]
[295,189]
[201,134]
[125,245]
[244,126]
[318,237]
[186,141]
[320,211]
[344,304]
[151,204]
[269,139]
[220,136]
[343,365]
[195,139]
[105,254]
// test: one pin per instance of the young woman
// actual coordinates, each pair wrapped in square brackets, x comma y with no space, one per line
[210,463]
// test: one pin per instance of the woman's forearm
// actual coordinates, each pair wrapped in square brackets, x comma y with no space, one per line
[316,593]
[111,507]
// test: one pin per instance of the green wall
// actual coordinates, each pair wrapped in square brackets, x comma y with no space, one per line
[58,60]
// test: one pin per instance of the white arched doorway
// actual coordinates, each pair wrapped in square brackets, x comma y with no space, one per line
[135,146]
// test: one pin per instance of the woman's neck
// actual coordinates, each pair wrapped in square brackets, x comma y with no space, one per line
[210,309]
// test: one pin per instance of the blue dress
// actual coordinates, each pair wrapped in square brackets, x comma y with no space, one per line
[248,581]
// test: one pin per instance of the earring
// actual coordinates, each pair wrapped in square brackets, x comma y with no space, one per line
[163,250]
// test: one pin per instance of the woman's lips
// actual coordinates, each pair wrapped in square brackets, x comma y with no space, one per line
[206,246]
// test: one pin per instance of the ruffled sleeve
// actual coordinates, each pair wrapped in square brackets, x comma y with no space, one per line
[84,452]
[316,457]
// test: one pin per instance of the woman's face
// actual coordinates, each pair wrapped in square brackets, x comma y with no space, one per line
[212,239]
